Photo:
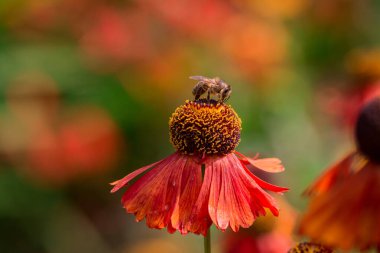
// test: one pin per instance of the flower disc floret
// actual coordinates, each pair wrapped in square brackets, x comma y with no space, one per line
[205,127]
[308,247]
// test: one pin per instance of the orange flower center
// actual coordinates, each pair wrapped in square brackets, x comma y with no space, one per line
[204,127]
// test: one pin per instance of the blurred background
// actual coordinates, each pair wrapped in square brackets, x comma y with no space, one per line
[87,88]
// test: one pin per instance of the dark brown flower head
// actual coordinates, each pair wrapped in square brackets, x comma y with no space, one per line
[308,247]
[205,127]
[368,130]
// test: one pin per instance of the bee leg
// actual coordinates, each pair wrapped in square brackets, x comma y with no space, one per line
[222,98]
[208,96]
[224,95]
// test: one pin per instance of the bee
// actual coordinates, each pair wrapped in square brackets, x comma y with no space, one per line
[212,86]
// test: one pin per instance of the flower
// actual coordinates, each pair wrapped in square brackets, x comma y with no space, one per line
[205,181]
[344,210]
[84,142]
[308,247]
[53,144]
[268,54]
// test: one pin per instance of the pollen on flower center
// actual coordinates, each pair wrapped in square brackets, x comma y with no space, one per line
[204,127]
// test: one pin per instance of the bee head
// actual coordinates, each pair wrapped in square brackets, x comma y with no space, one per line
[226,93]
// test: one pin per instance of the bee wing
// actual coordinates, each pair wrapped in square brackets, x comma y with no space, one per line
[222,82]
[199,78]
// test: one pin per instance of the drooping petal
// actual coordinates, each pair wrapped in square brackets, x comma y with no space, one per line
[170,228]
[236,197]
[347,216]
[147,178]
[223,212]
[271,165]
[215,189]
[265,185]
[172,195]
[333,175]
[191,186]
[139,198]
[259,197]
[154,195]
[168,198]
[200,219]
[122,182]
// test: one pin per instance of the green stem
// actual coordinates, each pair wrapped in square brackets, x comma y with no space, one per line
[207,242]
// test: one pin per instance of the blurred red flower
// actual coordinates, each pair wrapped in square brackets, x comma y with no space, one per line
[86,142]
[199,19]
[267,235]
[345,204]
[258,47]
[334,174]
[51,142]
[274,9]
[114,38]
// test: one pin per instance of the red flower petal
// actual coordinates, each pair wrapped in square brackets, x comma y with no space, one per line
[348,215]
[272,165]
[170,228]
[191,186]
[167,196]
[122,182]
[260,198]
[265,185]
[147,196]
[215,188]
[236,197]
[200,219]
[331,176]
[173,195]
